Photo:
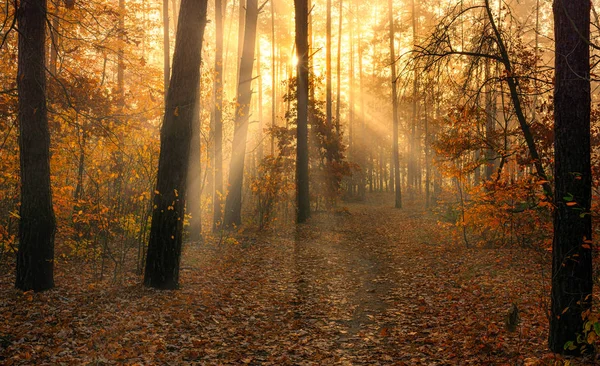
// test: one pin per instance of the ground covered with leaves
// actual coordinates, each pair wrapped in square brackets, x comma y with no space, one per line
[367,285]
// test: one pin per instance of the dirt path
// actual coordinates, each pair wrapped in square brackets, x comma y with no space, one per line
[372,286]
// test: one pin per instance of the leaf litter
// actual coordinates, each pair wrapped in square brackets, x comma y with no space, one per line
[375,286]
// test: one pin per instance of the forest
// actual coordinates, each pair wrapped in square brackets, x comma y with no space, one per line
[272,182]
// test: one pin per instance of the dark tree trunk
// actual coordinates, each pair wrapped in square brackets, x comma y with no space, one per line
[233,204]
[395,157]
[164,247]
[572,254]
[218,123]
[35,257]
[302,192]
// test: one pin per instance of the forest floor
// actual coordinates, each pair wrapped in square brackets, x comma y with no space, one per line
[370,285]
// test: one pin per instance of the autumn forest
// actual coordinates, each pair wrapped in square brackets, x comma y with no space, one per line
[333,182]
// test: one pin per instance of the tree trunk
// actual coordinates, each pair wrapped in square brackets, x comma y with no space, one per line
[35,256]
[241,30]
[260,149]
[351,142]
[328,101]
[339,72]
[218,121]
[273,78]
[361,135]
[166,48]
[233,203]
[395,157]
[164,247]
[302,188]
[572,245]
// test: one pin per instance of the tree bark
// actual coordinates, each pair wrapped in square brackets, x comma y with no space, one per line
[273,78]
[395,157]
[233,203]
[166,48]
[35,256]
[218,113]
[164,247]
[339,72]
[302,182]
[361,135]
[260,149]
[328,99]
[572,252]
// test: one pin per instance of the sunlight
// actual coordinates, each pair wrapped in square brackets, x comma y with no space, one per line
[430,183]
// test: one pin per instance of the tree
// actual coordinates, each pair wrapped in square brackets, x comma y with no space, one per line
[218,113]
[302,189]
[493,47]
[395,157]
[233,203]
[572,252]
[166,47]
[164,247]
[35,256]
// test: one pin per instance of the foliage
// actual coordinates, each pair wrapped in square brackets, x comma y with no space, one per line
[327,160]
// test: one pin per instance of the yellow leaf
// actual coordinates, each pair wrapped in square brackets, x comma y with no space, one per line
[176,112]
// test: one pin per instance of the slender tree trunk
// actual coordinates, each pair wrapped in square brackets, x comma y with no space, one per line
[427,167]
[339,72]
[302,188]
[381,167]
[241,30]
[166,231]
[166,48]
[218,122]
[260,149]
[537,56]
[174,5]
[233,203]
[395,157]
[351,142]
[328,101]
[489,124]
[572,245]
[273,78]
[35,256]
[361,135]
[414,154]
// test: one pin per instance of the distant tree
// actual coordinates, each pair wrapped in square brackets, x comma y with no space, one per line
[166,47]
[233,203]
[218,113]
[35,256]
[302,179]
[164,247]
[395,157]
[572,245]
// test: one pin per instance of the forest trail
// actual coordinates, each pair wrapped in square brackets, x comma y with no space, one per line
[370,285]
